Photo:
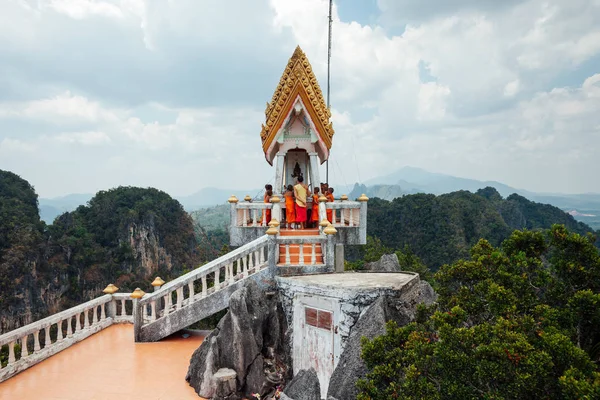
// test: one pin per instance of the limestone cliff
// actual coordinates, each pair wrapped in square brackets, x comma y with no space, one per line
[124,236]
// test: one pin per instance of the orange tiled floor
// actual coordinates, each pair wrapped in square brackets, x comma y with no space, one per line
[109,365]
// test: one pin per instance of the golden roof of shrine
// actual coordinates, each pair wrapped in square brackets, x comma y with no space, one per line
[298,79]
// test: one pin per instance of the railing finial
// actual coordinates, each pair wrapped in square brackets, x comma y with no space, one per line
[137,294]
[330,230]
[110,289]
[157,282]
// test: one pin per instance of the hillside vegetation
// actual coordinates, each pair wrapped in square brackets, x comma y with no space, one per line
[125,236]
[442,229]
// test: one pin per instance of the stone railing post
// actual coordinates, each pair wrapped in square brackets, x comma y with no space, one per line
[322,213]
[233,210]
[138,313]
[330,231]
[276,210]
[111,311]
[362,227]
[272,249]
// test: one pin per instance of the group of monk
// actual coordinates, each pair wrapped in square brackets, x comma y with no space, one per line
[297,215]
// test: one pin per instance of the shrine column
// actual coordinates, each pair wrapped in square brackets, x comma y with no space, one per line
[314,170]
[279,164]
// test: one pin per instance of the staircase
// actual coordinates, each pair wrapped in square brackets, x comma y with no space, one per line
[300,253]
[201,292]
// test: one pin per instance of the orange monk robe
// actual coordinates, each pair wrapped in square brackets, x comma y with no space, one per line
[330,199]
[290,215]
[315,208]
[267,212]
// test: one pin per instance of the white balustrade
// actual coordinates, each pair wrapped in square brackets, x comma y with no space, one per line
[349,213]
[254,212]
[58,327]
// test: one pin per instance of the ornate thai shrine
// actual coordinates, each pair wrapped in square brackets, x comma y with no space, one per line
[296,138]
[305,268]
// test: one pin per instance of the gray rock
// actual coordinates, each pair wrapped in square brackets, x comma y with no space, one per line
[304,386]
[226,386]
[252,331]
[387,263]
[351,367]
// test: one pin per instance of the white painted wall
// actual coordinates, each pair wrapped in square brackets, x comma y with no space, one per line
[314,347]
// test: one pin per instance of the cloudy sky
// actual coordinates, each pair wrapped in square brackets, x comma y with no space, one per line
[171,94]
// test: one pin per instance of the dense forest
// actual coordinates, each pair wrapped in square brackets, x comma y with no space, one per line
[125,236]
[520,321]
[441,229]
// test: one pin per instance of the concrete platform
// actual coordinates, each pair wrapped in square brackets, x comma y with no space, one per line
[357,280]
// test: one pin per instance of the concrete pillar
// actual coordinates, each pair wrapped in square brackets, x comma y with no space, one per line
[339,257]
[279,178]
[233,214]
[111,309]
[330,253]
[362,229]
[138,320]
[314,170]
[272,254]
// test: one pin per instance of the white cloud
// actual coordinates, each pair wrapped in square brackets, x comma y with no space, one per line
[84,138]
[174,96]
[511,88]
[63,108]
[80,9]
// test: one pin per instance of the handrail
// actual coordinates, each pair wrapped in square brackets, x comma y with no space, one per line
[52,319]
[261,206]
[342,204]
[205,269]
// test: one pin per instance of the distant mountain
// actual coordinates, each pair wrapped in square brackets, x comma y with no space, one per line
[209,197]
[52,208]
[409,180]
[417,180]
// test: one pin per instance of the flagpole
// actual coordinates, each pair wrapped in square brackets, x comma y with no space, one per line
[328,80]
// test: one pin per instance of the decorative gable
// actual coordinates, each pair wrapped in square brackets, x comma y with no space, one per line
[297,82]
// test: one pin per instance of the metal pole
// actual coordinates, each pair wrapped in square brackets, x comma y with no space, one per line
[328,80]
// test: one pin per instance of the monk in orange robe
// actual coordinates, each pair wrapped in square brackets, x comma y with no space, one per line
[315,207]
[330,199]
[267,199]
[301,193]
[290,215]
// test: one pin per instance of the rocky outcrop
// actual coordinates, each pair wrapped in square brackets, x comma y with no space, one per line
[304,386]
[387,263]
[351,367]
[249,339]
